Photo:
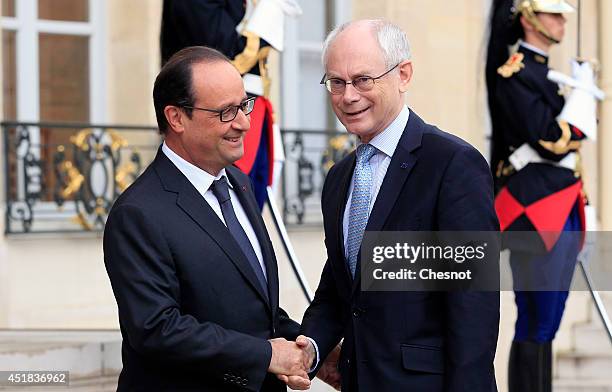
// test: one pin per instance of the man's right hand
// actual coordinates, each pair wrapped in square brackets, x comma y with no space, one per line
[288,360]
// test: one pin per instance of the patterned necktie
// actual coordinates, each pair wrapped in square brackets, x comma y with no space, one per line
[220,189]
[360,203]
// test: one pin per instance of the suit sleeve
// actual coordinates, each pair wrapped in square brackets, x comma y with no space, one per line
[534,117]
[466,200]
[323,320]
[288,328]
[145,283]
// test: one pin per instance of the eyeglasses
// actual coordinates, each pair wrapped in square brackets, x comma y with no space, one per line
[361,83]
[229,113]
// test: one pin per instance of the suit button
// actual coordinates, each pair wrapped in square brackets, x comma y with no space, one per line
[273,332]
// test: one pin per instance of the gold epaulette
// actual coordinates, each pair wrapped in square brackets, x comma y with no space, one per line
[512,66]
[248,58]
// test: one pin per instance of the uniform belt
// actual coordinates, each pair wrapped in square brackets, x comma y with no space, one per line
[525,155]
[253,84]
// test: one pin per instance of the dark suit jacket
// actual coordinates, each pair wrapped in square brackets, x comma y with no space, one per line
[410,341]
[191,311]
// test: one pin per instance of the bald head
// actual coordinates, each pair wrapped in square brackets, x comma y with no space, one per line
[391,39]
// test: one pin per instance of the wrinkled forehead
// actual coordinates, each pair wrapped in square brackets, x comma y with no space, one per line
[354,52]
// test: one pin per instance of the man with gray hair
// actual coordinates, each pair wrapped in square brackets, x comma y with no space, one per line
[405,175]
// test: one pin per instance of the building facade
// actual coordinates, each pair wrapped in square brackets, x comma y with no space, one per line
[94,62]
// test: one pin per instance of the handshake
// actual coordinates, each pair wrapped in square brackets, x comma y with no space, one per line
[291,362]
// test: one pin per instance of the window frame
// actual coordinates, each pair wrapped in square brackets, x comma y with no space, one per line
[28,27]
[291,100]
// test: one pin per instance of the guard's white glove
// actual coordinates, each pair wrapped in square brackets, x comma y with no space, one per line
[580,107]
[267,20]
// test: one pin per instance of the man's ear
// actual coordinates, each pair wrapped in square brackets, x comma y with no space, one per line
[405,71]
[175,118]
[527,26]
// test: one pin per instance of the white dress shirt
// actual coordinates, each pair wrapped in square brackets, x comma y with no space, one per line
[202,181]
[385,144]
[532,48]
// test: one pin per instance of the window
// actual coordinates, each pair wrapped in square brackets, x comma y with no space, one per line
[53,58]
[304,101]
[53,71]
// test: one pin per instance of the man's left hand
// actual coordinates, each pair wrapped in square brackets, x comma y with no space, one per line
[328,372]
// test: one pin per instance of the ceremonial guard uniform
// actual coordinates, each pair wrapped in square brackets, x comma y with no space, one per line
[245,31]
[536,165]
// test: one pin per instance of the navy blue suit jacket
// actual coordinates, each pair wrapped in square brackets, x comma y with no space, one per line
[192,313]
[410,341]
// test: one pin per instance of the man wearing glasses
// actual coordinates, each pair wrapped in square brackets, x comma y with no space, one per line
[190,262]
[405,175]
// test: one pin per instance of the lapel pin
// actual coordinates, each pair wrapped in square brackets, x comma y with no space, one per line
[404,165]
[244,188]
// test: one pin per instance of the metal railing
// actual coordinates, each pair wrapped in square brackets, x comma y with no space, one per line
[308,157]
[65,177]
[62,177]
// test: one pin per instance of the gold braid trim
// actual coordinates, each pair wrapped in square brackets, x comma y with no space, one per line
[248,58]
[564,144]
[262,57]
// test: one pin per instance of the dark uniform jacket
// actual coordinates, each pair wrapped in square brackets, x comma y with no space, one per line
[209,23]
[525,111]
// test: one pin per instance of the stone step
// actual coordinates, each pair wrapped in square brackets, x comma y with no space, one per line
[92,358]
[568,385]
[90,384]
[591,338]
[584,366]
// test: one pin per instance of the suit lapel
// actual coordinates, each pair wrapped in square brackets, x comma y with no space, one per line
[342,198]
[402,162]
[192,203]
[249,204]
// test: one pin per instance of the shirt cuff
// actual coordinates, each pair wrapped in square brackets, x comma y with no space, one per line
[316,348]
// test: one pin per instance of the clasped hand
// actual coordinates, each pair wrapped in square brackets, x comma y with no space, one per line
[291,361]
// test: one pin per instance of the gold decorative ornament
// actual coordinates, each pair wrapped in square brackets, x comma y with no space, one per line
[122,178]
[262,57]
[248,58]
[513,65]
[80,139]
[117,142]
[75,179]
[564,144]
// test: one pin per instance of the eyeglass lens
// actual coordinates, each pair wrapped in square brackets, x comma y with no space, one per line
[337,86]
[230,113]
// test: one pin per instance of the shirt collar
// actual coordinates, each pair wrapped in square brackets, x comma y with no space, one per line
[201,179]
[533,48]
[387,140]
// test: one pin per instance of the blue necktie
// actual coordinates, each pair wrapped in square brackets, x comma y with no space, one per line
[220,189]
[360,203]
